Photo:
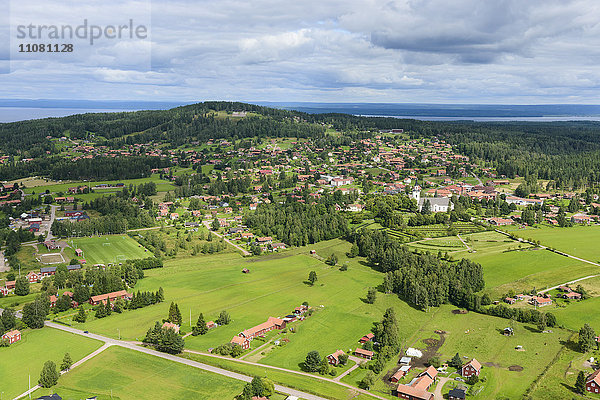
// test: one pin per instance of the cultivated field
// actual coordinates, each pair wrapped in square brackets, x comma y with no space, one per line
[580,241]
[119,373]
[27,357]
[107,249]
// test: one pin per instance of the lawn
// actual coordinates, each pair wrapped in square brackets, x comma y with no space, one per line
[108,249]
[26,357]
[119,373]
[275,285]
[578,313]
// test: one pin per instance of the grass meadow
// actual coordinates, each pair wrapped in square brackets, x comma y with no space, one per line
[119,373]
[26,357]
[276,284]
[580,241]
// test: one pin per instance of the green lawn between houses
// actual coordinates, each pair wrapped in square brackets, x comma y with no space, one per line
[107,249]
[27,356]
[276,285]
[119,373]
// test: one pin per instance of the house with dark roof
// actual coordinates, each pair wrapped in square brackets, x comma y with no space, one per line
[457,394]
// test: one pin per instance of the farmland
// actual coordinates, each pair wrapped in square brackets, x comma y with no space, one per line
[275,285]
[144,377]
[108,249]
[510,265]
[580,241]
[35,348]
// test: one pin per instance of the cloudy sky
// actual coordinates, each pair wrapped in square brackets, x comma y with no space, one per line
[432,51]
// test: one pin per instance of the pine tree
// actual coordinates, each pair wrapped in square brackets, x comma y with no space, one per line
[160,295]
[200,328]
[324,366]
[371,295]
[67,362]
[312,277]
[100,311]
[456,361]
[580,383]
[107,308]
[49,375]
[174,314]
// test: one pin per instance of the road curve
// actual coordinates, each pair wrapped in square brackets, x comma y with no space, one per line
[562,253]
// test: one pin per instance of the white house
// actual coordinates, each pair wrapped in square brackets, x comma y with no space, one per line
[438,204]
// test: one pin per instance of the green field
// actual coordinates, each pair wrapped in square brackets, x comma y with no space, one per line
[580,241]
[119,373]
[161,185]
[275,285]
[26,357]
[108,249]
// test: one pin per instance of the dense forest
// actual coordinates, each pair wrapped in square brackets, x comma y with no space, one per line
[425,280]
[297,224]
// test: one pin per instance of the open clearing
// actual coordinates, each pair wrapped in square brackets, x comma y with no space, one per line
[108,249]
[144,377]
[27,356]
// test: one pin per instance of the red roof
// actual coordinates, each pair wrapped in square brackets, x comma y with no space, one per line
[363,352]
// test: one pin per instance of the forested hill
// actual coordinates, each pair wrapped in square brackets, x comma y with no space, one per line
[177,125]
[566,152]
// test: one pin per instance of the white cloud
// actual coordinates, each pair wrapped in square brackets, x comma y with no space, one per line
[541,51]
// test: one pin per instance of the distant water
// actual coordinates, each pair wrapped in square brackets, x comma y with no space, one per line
[12,114]
[454,112]
[17,110]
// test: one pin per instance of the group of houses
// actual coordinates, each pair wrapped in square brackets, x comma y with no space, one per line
[244,338]
[418,387]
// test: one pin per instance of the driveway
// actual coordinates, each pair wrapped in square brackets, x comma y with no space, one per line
[438,389]
[244,251]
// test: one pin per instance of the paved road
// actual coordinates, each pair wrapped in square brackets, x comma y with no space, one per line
[244,251]
[50,236]
[289,371]
[3,266]
[563,254]
[78,363]
[18,314]
[170,357]
[476,177]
